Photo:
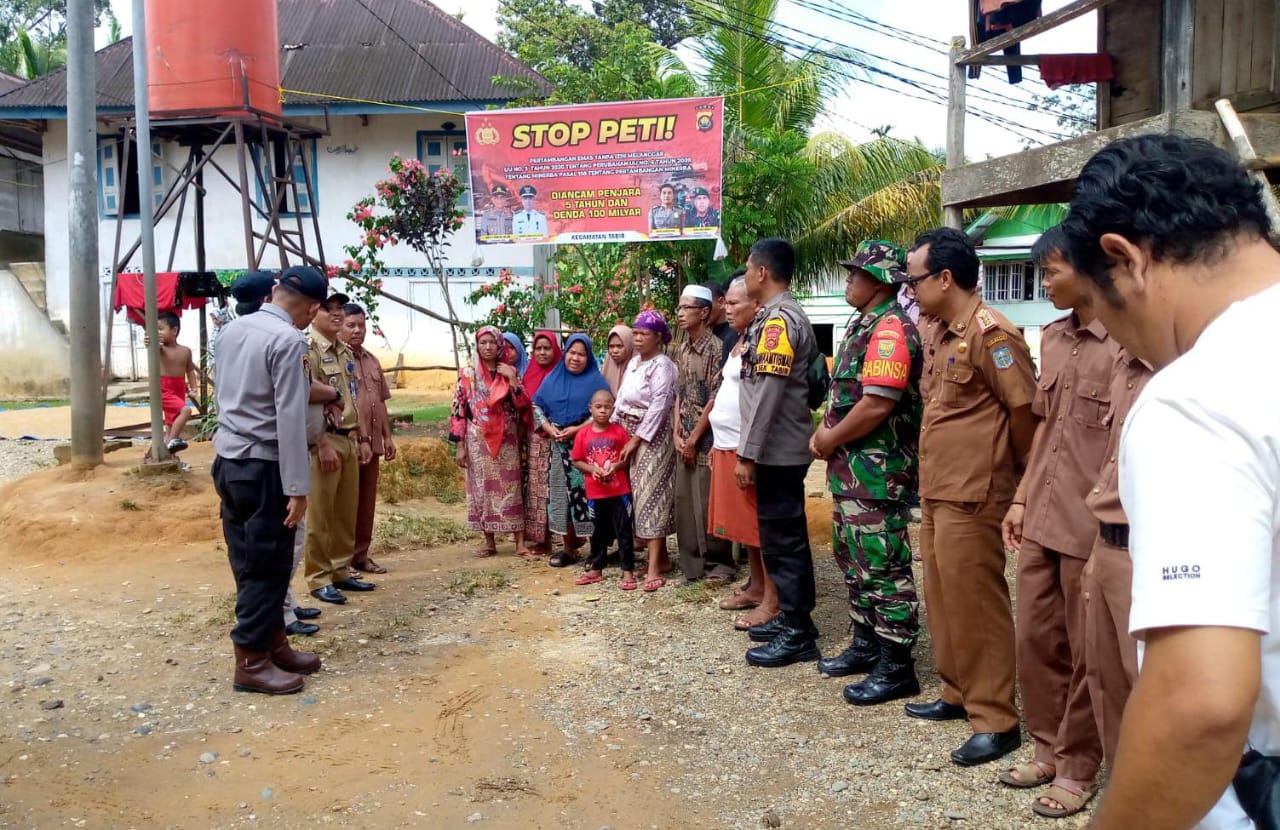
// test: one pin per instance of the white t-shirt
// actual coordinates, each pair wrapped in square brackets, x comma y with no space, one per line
[726,413]
[1199,476]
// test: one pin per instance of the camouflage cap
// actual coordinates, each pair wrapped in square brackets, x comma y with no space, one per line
[882,260]
[701,191]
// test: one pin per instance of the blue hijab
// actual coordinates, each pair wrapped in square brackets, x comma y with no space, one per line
[565,398]
[522,357]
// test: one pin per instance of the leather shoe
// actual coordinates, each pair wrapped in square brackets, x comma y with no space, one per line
[299,627]
[764,632]
[306,613]
[792,645]
[329,594]
[353,584]
[984,747]
[938,710]
[859,658]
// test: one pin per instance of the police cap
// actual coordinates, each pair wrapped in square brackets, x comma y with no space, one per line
[500,190]
[307,281]
[253,286]
[528,190]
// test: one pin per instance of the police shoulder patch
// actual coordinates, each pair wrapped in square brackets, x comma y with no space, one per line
[774,353]
[986,320]
[1003,357]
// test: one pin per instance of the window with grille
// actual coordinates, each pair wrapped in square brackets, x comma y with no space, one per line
[278,167]
[1011,282]
[119,194]
[437,149]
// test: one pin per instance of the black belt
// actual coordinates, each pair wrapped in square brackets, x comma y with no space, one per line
[1115,535]
[340,431]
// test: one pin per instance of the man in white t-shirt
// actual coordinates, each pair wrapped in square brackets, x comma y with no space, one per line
[1172,233]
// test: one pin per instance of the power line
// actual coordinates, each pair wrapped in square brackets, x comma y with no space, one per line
[410,46]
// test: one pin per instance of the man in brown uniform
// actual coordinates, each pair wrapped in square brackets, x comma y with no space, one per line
[372,395]
[978,424]
[1110,653]
[335,475]
[1052,531]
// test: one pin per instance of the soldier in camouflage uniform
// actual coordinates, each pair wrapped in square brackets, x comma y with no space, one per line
[870,438]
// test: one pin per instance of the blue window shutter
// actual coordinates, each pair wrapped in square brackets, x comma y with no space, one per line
[110,178]
[157,172]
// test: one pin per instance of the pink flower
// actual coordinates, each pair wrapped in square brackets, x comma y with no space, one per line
[502,308]
[575,289]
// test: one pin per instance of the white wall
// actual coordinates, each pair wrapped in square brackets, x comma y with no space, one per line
[342,179]
[34,357]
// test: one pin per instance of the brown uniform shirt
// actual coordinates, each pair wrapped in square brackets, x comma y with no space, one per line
[1130,375]
[333,363]
[979,369]
[1072,400]
[372,393]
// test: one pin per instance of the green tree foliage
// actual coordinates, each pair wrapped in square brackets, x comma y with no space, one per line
[33,35]
[668,21]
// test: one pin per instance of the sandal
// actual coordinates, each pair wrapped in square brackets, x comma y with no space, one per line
[1071,802]
[485,553]
[589,578]
[628,583]
[562,559]
[1027,776]
[737,602]
[528,555]
[369,566]
[654,583]
[756,617]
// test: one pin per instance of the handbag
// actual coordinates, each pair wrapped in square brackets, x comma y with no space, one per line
[1257,786]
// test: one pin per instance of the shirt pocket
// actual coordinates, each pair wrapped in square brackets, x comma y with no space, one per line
[1044,394]
[1092,403]
[958,386]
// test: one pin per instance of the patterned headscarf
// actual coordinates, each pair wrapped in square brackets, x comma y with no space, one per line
[517,357]
[650,320]
[486,393]
[614,370]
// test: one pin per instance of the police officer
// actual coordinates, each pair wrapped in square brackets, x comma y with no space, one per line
[978,385]
[260,474]
[335,475]
[666,215]
[870,439]
[495,220]
[528,223]
[774,449]
[701,214]
[1050,527]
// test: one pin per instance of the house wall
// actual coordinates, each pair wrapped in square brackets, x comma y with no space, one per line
[1234,54]
[343,177]
[21,196]
[34,357]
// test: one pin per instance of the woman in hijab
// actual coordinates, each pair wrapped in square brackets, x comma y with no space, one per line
[617,355]
[560,409]
[546,356]
[488,407]
[643,407]
[513,352]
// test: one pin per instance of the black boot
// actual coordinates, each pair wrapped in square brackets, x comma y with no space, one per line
[860,657]
[764,632]
[796,642]
[894,677]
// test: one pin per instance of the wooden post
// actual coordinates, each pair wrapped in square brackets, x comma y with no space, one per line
[953,216]
[1176,40]
[1245,152]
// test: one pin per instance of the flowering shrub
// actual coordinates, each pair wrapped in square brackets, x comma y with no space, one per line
[410,206]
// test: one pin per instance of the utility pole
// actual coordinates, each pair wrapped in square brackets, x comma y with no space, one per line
[87,404]
[956,110]
[146,222]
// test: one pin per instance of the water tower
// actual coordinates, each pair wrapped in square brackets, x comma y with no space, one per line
[214,89]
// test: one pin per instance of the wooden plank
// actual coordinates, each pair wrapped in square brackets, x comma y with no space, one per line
[1046,173]
[1206,80]
[1247,10]
[1135,92]
[956,112]
[1234,37]
[1009,60]
[1038,26]
[1104,90]
[1264,44]
[1176,48]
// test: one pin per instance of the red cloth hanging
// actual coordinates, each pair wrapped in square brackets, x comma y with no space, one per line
[131,295]
[1064,70]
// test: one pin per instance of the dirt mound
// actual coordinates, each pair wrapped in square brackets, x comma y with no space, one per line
[68,515]
[424,467]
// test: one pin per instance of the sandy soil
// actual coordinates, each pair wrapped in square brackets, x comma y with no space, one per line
[118,604]
[54,422]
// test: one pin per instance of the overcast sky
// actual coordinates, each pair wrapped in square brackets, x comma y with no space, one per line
[872,100]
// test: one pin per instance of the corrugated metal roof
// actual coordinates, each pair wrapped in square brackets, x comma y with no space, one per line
[341,49]
[8,82]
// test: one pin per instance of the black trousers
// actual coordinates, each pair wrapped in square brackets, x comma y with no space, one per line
[259,546]
[784,537]
[612,522]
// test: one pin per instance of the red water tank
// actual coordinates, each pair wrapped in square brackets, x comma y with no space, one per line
[213,55]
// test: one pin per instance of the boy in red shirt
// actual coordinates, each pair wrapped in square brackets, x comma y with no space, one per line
[597,452]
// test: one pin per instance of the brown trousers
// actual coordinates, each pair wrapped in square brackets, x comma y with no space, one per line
[967,599]
[698,549]
[367,505]
[1111,655]
[1051,661]
[331,516]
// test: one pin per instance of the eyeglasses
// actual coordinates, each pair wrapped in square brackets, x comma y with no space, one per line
[912,282]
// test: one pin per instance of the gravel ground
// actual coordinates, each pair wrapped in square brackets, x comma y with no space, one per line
[17,458]
[757,745]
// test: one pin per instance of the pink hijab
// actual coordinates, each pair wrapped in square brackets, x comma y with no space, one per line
[612,371]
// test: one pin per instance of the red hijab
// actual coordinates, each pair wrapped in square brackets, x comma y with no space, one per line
[534,375]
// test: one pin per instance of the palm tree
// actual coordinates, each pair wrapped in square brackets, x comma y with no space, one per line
[30,58]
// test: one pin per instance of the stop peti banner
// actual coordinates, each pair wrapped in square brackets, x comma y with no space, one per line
[622,172]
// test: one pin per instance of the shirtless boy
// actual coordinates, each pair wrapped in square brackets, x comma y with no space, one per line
[178,374]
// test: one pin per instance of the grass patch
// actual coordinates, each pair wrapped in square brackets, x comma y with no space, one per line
[405,532]
[469,583]
[432,413]
[224,610]
[423,467]
[129,504]
[32,404]
[693,592]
